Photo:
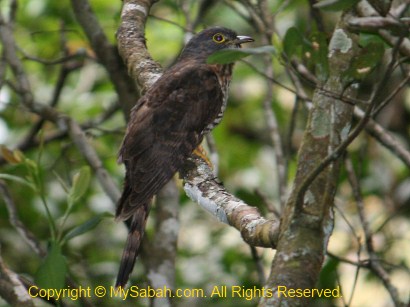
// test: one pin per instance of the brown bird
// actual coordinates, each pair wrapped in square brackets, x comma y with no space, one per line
[165,127]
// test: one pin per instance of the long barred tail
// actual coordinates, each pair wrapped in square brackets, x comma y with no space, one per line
[132,246]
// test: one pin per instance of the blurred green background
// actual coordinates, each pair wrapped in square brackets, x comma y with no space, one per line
[209,253]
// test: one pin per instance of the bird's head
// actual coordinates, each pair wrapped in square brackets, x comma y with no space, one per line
[210,40]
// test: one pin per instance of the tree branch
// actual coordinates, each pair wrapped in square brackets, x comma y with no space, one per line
[365,10]
[374,24]
[11,288]
[107,55]
[62,121]
[15,221]
[131,43]
[307,221]
[201,185]
[160,256]
[80,140]
[374,263]
[262,19]
[385,138]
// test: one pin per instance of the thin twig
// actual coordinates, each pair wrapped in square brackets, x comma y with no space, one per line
[276,139]
[80,140]
[25,145]
[259,265]
[387,36]
[49,113]
[264,24]
[65,59]
[372,127]
[15,221]
[374,263]
[176,24]
[240,13]
[107,55]
[268,203]
[62,77]
[385,138]
[362,263]
[392,94]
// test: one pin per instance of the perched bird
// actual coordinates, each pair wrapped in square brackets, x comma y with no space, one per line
[165,127]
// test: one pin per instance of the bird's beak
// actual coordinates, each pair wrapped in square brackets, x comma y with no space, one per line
[240,39]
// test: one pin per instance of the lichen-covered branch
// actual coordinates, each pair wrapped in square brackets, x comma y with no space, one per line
[377,131]
[202,186]
[131,43]
[11,288]
[307,221]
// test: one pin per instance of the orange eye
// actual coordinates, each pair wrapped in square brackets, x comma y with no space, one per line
[218,38]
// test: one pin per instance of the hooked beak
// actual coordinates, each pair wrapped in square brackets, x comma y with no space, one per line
[240,39]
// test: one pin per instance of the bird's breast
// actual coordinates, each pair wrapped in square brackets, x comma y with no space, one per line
[224,74]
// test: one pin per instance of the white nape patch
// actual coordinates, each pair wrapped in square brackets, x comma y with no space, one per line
[133,7]
[196,195]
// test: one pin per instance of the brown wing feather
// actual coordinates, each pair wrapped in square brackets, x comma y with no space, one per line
[165,127]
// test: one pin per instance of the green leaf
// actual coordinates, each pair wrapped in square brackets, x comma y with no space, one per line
[80,185]
[293,42]
[365,62]
[51,273]
[17,179]
[335,5]
[367,38]
[277,43]
[226,56]
[85,227]
[328,274]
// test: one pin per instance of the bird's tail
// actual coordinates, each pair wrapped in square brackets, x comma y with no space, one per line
[132,246]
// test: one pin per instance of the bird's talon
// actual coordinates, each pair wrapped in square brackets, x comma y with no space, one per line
[200,152]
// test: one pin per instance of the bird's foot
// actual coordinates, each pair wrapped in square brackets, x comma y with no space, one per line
[200,152]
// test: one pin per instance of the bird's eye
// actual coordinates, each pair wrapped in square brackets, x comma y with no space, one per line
[218,38]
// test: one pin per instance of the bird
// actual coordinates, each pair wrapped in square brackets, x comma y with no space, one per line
[166,125]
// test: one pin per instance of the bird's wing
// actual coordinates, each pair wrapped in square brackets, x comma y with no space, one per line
[165,127]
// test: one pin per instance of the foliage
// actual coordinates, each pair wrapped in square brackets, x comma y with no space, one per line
[61,203]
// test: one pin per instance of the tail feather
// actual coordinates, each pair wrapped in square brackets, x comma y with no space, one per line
[132,246]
